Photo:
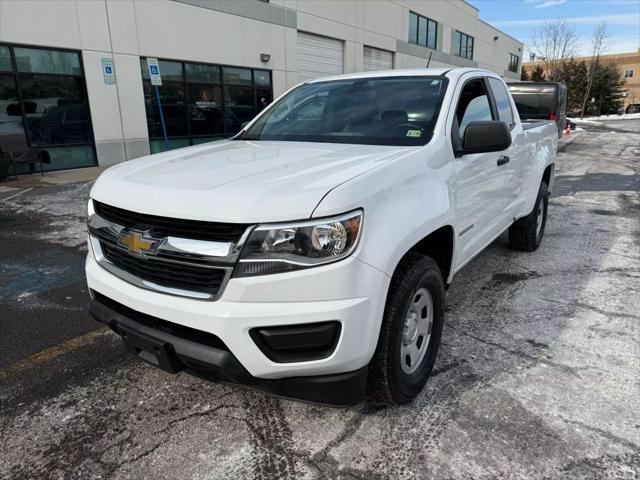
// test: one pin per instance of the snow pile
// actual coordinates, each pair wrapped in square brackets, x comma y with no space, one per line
[596,120]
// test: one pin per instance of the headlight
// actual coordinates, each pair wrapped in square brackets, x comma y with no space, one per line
[285,247]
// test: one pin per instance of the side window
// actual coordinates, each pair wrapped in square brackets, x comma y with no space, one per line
[473,105]
[502,101]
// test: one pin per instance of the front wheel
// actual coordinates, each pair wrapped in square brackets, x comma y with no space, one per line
[410,333]
[526,233]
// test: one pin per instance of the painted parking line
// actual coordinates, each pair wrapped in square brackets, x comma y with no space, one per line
[54,352]
[16,194]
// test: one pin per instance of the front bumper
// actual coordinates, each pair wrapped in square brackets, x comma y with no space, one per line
[175,349]
[350,292]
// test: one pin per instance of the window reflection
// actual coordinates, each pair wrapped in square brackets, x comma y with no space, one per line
[55,109]
[201,101]
[43,105]
[236,75]
[239,107]
[205,109]
[35,60]
[174,109]
[5,59]
[10,116]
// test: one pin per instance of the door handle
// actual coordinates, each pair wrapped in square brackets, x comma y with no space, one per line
[503,159]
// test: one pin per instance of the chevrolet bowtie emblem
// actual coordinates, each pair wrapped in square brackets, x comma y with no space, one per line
[134,242]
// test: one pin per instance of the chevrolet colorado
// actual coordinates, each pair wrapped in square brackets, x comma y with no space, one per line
[308,256]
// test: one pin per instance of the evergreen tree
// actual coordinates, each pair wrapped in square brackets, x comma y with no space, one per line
[574,75]
[524,76]
[606,89]
[538,74]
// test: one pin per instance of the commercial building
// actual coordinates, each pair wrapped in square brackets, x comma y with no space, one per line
[628,63]
[74,76]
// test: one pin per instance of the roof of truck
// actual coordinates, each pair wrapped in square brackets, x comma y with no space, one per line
[403,72]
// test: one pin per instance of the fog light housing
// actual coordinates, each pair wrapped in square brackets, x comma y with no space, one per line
[297,343]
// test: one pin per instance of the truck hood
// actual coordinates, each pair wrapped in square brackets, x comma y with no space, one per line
[238,181]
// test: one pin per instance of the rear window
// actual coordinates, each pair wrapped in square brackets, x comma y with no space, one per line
[535,100]
[535,104]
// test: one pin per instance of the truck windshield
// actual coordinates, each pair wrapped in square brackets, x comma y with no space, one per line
[374,111]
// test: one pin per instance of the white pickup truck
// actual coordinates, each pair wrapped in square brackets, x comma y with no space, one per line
[308,256]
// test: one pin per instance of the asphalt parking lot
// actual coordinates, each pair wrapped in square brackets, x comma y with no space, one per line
[538,375]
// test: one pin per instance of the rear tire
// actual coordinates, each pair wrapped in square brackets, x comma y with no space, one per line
[526,233]
[410,333]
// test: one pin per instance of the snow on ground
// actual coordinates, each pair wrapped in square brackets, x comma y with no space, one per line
[597,120]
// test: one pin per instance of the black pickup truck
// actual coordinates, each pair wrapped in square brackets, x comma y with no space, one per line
[541,101]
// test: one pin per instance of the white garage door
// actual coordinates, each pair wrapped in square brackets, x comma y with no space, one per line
[319,56]
[376,59]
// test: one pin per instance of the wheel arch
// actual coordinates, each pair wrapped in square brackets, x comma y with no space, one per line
[549,175]
[439,245]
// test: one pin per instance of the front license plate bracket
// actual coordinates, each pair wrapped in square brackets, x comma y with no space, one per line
[151,350]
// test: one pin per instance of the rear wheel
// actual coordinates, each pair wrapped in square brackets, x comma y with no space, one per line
[526,233]
[410,332]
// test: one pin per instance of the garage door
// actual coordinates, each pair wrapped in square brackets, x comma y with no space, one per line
[319,56]
[376,59]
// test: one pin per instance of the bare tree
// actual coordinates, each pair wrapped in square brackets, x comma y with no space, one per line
[599,38]
[553,42]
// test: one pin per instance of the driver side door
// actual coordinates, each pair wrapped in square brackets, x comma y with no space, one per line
[480,196]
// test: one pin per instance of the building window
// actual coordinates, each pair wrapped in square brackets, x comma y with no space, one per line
[44,103]
[422,31]
[463,45]
[513,63]
[202,102]
[628,73]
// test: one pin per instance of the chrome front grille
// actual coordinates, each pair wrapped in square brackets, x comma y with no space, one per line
[174,227]
[160,260]
[182,276]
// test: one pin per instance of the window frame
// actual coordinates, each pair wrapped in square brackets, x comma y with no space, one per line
[456,139]
[220,83]
[514,62]
[23,115]
[630,71]
[428,21]
[493,101]
[464,45]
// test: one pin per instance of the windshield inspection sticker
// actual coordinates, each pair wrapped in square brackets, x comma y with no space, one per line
[414,133]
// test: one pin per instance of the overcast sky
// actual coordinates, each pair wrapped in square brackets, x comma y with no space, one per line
[519,19]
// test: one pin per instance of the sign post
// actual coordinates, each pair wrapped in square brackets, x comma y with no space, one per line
[156,81]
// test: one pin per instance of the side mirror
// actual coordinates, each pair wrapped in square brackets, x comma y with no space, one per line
[243,124]
[486,136]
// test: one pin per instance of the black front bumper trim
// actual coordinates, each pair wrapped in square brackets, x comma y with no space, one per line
[173,348]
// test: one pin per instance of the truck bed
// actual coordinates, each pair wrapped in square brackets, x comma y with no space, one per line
[528,124]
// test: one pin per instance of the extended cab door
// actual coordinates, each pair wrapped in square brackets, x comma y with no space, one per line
[482,193]
[517,165]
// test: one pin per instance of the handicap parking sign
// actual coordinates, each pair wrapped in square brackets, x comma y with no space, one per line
[108,73]
[154,71]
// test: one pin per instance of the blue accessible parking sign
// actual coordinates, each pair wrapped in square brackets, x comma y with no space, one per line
[154,72]
[108,73]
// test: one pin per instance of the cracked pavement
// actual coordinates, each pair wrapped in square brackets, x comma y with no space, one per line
[538,375]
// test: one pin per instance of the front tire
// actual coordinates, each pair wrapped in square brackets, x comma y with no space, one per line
[410,333]
[526,233]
